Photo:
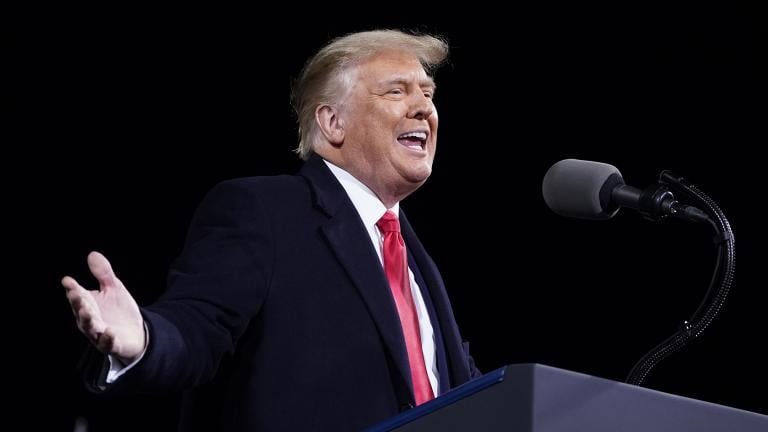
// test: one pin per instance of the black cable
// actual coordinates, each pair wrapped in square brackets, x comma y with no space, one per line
[717,291]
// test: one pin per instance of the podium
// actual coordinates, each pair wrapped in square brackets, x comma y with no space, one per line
[538,398]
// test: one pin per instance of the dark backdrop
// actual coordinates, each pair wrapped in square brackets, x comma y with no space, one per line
[127,125]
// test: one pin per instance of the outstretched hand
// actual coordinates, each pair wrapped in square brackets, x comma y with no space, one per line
[109,317]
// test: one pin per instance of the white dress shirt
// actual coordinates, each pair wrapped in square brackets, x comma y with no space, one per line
[371,209]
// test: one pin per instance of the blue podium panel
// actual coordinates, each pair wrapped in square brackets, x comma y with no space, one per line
[537,398]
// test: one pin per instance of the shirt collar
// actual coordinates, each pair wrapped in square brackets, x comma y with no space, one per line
[368,205]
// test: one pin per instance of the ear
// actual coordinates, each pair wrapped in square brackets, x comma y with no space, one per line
[331,124]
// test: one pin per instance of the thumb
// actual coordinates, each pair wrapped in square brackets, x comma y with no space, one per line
[101,270]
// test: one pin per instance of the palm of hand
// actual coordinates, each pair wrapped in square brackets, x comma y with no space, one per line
[108,317]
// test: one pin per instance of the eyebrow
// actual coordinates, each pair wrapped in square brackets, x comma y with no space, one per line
[426,82]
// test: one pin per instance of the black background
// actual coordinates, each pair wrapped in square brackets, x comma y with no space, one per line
[126,125]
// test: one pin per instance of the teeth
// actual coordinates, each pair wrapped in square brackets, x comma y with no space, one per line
[418,135]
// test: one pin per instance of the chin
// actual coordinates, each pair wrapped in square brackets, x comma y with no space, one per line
[419,176]
[413,171]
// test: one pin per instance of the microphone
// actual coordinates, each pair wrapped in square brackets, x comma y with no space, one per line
[594,190]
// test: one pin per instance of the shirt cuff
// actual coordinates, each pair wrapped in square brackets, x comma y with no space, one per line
[118,368]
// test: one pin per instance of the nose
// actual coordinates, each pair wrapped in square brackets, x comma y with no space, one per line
[421,107]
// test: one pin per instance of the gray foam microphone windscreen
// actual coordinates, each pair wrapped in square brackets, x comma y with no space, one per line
[572,187]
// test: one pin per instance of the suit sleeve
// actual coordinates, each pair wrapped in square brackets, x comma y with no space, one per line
[474,372]
[215,287]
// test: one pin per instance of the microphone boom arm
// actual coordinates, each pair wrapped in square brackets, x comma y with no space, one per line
[719,285]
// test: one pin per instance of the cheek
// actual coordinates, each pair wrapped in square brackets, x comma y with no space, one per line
[433,126]
[384,123]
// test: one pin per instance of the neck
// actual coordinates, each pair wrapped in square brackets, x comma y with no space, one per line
[388,195]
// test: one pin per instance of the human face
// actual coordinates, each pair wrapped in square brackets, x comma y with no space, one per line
[390,125]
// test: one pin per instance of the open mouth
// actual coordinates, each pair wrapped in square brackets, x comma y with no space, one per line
[415,140]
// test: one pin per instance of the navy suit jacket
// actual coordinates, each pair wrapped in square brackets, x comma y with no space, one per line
[278,315]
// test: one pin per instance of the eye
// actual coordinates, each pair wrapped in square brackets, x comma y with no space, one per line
[428,94]
[395,91]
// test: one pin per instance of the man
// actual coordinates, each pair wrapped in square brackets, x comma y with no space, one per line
[302,302]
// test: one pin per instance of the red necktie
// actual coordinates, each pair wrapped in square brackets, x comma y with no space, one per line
[396,269]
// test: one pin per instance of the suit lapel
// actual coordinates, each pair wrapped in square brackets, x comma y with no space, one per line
[442,365]
[349,240]
[456,357]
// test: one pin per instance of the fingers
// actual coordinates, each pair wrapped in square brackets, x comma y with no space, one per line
[90,324]
[106,341]
[76,294]
[71,284]
[101,270]
[85,309]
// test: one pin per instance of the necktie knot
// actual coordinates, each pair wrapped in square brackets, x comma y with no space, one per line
[388,223]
